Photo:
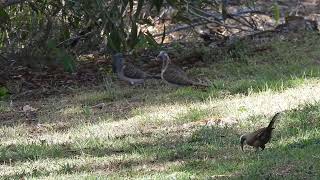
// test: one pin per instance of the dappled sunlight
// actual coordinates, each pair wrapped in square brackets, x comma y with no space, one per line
[269,102]
[153,118]
[71,165]
[240,106]
[301,139]
[165,141]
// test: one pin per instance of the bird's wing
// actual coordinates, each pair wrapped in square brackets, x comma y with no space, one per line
[262,135]
[132,71]
[176,76]
[256,135]
[131,81]
[178,70]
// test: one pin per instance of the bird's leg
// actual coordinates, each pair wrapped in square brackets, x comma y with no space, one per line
[262,147]
[257,149]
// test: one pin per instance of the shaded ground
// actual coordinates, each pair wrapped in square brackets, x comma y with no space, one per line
[158,132]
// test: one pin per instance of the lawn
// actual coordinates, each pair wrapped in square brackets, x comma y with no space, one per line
[160,132]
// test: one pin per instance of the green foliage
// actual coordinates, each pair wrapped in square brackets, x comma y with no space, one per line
[224,10]
[276,12]
[86,111]
[116,23]
[67,60]
[157,4]
[62,56]
[122,32]
[239,51]
[3,92]
[4,18]
[67,168]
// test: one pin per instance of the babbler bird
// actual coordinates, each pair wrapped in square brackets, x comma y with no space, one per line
[129,70]
[174,75]
[260,137]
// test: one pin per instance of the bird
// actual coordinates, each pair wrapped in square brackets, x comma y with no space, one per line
[174,75]
[129,70]
[260,137]
[119,68]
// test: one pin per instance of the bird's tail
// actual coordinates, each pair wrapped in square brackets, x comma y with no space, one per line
[206,83]
[200,84]
[153,77]
[270,126]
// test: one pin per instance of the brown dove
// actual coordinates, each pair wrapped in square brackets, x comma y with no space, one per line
[173,74]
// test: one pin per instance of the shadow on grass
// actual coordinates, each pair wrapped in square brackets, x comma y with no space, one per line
[293,152]
[209,152]
[286,65]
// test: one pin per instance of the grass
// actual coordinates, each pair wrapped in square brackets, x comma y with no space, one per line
[158,132]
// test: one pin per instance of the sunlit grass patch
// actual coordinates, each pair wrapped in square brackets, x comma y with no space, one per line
[161,134]
[193,114]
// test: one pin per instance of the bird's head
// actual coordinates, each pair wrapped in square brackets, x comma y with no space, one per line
[117,62]
[243,139]
[163,56]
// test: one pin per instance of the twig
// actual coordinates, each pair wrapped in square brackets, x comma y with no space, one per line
[213,21]
[74,38]
[215,16]
[183,27]
[245,23]
[219,17]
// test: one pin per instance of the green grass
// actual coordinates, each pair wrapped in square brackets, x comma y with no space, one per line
[158,132]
